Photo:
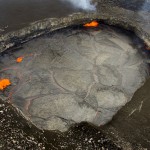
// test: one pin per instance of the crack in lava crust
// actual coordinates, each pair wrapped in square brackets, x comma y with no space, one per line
[74,75]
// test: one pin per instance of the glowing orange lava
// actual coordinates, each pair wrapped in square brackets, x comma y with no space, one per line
[4,83]
[91,24]
[19,59]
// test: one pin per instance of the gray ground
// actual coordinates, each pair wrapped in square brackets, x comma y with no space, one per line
[22,135]
[26,12]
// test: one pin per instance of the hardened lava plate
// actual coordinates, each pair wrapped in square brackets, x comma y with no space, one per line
[74,74]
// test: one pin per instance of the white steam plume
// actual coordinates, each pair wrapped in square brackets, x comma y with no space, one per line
[83,4]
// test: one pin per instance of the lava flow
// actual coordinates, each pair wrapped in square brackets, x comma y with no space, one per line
[19,59]
[91,24]
[4,83]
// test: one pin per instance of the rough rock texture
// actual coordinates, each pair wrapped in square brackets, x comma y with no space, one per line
[134,21]
[74,75]
[122,127]
[23,135]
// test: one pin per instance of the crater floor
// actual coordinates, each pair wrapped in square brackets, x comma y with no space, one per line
[74,75]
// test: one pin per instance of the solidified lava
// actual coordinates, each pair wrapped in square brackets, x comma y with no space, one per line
[74,75]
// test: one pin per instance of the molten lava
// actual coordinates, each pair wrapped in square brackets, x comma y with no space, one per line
[19,59]
[91,24]
[4,83]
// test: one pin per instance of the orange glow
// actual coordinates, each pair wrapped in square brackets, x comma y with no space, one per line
[19,59]
[147,48]
[91,24]
[4,83]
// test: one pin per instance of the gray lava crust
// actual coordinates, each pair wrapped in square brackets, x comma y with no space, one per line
[23,130]
[23,135]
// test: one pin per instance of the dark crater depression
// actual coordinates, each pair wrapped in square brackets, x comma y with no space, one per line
[74,74]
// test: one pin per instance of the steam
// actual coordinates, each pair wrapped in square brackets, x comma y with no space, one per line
[83,4]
